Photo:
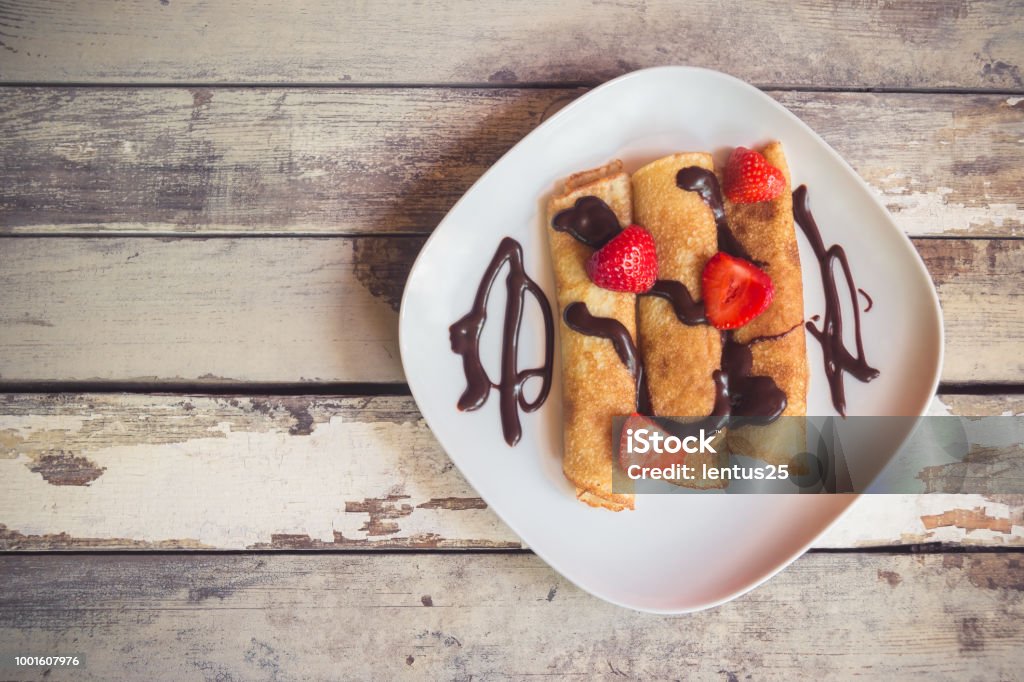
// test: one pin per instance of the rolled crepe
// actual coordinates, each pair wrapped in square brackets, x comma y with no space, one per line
[776,337]
[596,385]
[679,358]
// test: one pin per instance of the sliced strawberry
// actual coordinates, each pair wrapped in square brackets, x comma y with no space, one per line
[660,460]
[749,178]
[628,262]
[735,291]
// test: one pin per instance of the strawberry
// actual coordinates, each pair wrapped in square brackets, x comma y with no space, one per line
[651,459]
[749,178]
[628,262]
[735,291]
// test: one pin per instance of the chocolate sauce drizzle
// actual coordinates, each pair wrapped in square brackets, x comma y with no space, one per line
[465,339]
[838,358]
[867,297]
[590,221]
[688,311]
[579,319]
[703,182]
[737,393]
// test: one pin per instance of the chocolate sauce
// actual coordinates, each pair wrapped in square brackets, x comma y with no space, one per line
[703,182]
[590,221]
[687,310]
[465,338]
[774,337]
[737,393]
[838,358]
[579,319]
[871,301]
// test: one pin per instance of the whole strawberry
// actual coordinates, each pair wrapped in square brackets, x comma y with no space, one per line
[749,178]
[628,262]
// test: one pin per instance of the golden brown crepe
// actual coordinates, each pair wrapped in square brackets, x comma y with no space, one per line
[776,337]
[679,359]
[596,384]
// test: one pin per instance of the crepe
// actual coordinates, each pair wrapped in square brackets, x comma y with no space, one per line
[596,384]
[776,338]
[679,358]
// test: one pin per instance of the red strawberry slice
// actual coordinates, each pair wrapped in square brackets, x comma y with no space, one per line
[628,262]
[662,460]
[735,291]
[749,178]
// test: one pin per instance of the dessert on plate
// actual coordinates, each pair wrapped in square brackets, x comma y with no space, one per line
[705,324]
[679,294]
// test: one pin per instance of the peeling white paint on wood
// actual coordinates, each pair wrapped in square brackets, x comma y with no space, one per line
[932,213]
[236,489]
[234,473]
[873,519]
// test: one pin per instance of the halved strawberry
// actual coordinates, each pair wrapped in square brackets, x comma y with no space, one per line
[735,291]
[749,178]
[659,460]
[629,262]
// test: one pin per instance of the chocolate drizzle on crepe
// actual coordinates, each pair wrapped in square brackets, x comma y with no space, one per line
[590,221]
[838,358]
[705,183]
[465,339]
[593,222]
[688,311]
[737,392]
[579,319]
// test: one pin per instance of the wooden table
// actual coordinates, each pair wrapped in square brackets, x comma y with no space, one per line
[210,467]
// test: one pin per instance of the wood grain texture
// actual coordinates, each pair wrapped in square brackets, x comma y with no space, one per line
[271,161]
[943,44]
[223,310]
[109,471]
[324,310]
[481,616]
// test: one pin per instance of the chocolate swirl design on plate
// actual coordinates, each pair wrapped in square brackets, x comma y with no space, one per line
[465,339]
[838,358]
[867,297]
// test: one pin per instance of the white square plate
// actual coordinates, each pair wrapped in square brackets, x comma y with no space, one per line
[674,553]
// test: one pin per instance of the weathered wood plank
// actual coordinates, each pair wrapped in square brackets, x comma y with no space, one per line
[495,616]
[300,472]
[305,309]
[217,310]
[952,43]
[385,160]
